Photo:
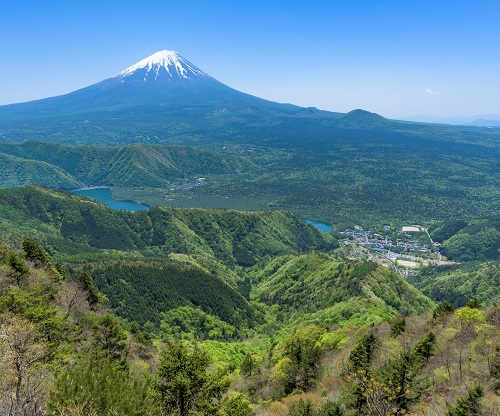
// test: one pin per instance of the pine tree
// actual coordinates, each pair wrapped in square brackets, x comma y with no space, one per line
[88,285]
[185,384]
[468,405]
[36,253]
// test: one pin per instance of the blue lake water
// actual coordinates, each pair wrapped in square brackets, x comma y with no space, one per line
[104,195]
[322,226]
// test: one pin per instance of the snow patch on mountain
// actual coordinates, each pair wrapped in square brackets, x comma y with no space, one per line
[165,62]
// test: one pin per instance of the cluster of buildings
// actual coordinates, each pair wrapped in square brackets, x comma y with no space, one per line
[399,241]
[188,184]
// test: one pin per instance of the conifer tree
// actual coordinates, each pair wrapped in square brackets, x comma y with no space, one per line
[88,285]
[36,253]
[185,384]
[468,405]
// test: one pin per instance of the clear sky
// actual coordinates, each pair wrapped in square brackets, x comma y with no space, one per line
[397,58]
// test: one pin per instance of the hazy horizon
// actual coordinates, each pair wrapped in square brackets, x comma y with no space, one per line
[417,59]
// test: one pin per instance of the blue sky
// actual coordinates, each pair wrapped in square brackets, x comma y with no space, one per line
[397,58]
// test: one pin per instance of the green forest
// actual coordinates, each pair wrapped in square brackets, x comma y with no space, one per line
[66,352]
[221,312]
[355,169]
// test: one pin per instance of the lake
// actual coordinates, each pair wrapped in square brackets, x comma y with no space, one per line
[322,226]
[104,195]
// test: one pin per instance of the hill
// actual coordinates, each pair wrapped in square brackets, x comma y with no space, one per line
[460,283]
[474,239]
[68,167]
[73,224]
[337,291]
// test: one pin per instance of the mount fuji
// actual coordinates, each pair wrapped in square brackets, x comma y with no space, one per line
[164,80]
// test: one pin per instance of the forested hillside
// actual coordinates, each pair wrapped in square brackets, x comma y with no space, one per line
[64,352]
[70,167]
[459,283]
[71,224]
[320,287]
[475,239]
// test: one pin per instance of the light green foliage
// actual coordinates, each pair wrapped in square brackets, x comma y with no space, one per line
[460,283]
[185,384]
[100,387]
[187,320]
[301,353]
[470,316]
[338,291]
[236,405]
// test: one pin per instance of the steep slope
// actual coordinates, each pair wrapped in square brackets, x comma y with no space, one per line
[143,290]
[460,283]
[475,239]
[68,167]
[15,171]
[337,291]
[72,224]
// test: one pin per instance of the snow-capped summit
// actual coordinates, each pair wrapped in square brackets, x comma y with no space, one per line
[163,65]
[165,84]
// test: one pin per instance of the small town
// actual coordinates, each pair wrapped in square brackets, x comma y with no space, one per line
[405,250]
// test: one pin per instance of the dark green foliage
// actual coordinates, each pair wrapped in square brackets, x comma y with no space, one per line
[442,231]
[404,374]
[61,271]
[100,387]
[425,347]
[303,408]
[468,405]
[19,267]
[248,365]
[302,351]
[332,409]
[477,239]
[109,337]
[461,283]
[36,253]
[473,303]
[442,310]
[398,327]
[87,284]
[77,224]
[185,384]
[297,152]
[362,353]
[68,167]
[142,290]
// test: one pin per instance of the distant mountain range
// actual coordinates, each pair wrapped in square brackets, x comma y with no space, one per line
[327,166]
[489,120]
